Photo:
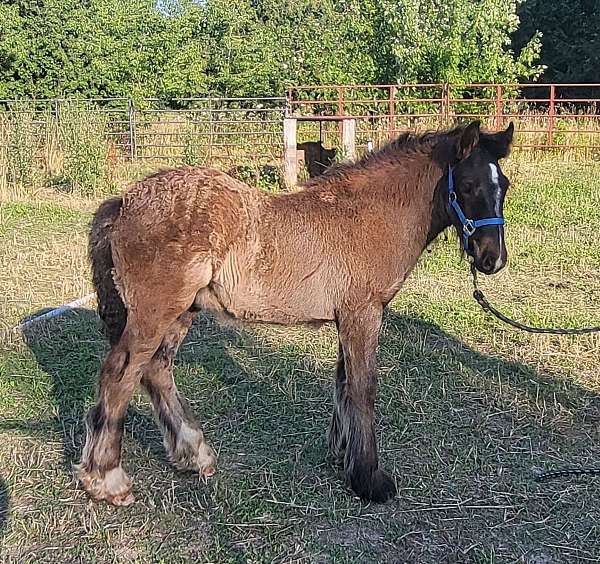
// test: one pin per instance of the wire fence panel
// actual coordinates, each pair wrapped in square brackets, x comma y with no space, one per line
[189,131]
[212,131]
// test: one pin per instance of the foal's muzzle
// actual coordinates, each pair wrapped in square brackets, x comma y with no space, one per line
[488,250]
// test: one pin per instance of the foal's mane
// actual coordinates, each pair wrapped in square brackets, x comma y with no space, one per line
[405,146]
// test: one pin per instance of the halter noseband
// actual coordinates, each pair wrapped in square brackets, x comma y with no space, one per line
[469,225]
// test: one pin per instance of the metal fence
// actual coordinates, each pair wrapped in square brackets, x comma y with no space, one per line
[190,130]
[547,116]
[227,131]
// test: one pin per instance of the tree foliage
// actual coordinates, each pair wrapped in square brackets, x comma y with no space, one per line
[178,48]
[570,37]
[463,41]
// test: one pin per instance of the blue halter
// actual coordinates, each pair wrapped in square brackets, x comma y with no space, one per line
[469,225]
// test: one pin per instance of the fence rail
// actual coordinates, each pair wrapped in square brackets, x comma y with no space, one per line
[48,137]
[547,116]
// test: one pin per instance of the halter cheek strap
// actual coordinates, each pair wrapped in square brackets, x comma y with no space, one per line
[469,225]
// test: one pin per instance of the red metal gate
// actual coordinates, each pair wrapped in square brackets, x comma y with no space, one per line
[547,116]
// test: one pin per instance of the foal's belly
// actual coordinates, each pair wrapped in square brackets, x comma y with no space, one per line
[259,303]
[250,298]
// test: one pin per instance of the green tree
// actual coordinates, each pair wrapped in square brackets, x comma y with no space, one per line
[570,41]
[463,41]
[263,46]
[102,48]
[180,48]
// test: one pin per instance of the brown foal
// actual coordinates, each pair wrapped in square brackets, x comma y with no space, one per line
[337,250]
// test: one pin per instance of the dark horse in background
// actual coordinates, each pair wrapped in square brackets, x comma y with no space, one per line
[337,250]
[317,158]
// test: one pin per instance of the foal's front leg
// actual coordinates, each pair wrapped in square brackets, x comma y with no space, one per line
[355,403]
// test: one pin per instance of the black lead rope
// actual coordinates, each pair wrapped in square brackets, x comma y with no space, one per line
[485,304]
[553,474]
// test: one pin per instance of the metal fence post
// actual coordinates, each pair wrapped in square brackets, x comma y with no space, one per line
[211,129]
[340,90]
[288,103]
[132,138]
[551,115]
[499,108]
[392,125]
[445,107]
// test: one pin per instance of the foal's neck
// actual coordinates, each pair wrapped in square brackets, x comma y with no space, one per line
[440,220]
[417,182]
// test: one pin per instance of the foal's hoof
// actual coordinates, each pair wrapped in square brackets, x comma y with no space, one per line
[113,486]
[121,500]
[200,458]
[206,461]
[378,489]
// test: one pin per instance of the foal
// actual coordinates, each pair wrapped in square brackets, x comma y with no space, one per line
[338,250]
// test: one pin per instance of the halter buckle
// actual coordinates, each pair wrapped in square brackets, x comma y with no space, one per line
[469,228]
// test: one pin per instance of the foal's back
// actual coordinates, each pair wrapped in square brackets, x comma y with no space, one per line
[284,258]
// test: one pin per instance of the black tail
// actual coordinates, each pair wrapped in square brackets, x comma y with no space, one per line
[110,305]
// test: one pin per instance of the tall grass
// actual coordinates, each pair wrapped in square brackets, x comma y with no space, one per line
[19,146]
[68,151]
[83,140]
[78,148]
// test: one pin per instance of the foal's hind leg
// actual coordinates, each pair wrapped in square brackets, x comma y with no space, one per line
[100,469]
[182,435]
[353,421]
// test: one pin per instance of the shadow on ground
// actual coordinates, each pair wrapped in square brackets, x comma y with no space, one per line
[455,426]
[239,382]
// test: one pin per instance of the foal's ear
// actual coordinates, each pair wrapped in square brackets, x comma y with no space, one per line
[508,134]
[499,143]
[468,140]
[507,137]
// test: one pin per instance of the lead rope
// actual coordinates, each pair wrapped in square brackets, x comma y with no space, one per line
[485,304]
[487,307]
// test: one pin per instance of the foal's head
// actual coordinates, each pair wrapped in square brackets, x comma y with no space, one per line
[476,191]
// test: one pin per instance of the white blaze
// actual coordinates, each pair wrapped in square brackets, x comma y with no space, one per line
[497,200]
[494,177]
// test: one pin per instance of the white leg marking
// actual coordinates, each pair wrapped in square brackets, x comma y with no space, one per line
[192,452]
[116,482]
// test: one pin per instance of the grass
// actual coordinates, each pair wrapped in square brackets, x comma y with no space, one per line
[468,410]
[85,149]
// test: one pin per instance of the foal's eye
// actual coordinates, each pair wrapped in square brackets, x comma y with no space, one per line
[468,186]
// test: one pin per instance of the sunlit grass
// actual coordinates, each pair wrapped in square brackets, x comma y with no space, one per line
[467,408]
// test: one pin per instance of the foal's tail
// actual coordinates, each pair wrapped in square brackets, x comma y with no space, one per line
[110,305]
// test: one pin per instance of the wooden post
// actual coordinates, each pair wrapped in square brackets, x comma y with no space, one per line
[349,138]
[290,157]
